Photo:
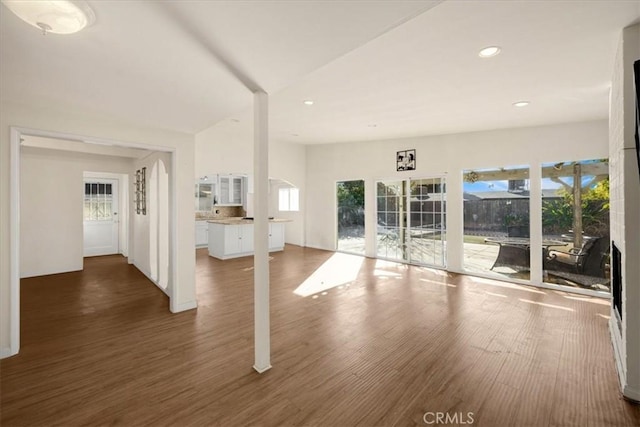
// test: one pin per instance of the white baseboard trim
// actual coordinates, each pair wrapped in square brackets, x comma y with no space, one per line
[261,370]
[631,394]
[616,342]
[164,290]
[190,305]
[320,248]
[30,274]
[6,352]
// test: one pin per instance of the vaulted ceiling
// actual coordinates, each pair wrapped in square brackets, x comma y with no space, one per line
[374,69]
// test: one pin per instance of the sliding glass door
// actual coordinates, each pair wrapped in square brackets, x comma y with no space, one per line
[392,220]
[427,222]
[350,201]
[411,221]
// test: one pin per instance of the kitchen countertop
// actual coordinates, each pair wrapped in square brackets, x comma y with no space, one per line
[239,220]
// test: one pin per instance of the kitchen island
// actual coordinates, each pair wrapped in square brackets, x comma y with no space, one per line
[233,237]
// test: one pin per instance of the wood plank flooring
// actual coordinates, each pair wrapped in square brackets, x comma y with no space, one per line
[383,348]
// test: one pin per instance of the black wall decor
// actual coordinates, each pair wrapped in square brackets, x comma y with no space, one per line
[140,198]
[636,72]
[406,160]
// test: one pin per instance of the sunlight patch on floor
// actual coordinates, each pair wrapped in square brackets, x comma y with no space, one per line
[381,263]
[593,300]
[559,307]
[439,283]
[340,269]
[490,282]
[383,273]
[496,295]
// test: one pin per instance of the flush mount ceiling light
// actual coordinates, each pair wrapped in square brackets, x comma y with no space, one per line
[489,52]
[307,102]
[53,16]
[521,103]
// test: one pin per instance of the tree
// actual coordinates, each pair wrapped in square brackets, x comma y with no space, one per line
[584,208]
[576,189]
[350,203]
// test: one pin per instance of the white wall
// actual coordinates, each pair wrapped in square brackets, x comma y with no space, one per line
[141,223]
[88,125]
[51,231]
[228,148]
[444,155]
[625,210]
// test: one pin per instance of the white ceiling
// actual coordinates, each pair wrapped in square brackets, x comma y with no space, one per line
[375,69]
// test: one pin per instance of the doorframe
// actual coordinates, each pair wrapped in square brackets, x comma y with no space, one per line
[335,216]
[123,206]
[16,133]
[407,197]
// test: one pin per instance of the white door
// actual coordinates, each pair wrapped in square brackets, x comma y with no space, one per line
[232,236]
[246,238]
[276,236]
[100,217]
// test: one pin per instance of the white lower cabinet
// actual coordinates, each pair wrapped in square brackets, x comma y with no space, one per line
[202,233]
[233,241]
[238,239]
[276,236]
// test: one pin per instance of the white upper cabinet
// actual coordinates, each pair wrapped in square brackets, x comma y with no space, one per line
[206,192]
[231,190]
[220,190]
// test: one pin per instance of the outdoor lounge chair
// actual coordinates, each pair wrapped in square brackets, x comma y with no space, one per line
[589,260]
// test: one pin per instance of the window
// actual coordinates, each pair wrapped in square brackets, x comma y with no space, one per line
[289,199]
[575,224]
[98,202]
[496,221]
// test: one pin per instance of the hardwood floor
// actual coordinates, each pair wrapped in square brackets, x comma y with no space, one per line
[384,348]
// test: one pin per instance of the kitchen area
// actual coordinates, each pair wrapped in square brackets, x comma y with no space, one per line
[224,215]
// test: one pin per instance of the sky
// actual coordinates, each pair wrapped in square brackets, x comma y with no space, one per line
[547,184]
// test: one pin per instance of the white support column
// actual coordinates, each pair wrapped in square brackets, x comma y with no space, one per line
[455,222]
[14,263]
[535,223]
[262,339]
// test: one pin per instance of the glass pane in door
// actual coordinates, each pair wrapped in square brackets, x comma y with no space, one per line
[237,191]
[427,222]
[392,220]
[225,183]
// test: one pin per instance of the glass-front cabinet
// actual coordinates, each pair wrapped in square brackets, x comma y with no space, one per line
[231,190]
[206,193]
[219,190]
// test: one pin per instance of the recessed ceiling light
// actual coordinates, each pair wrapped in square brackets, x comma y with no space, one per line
[521,103]
[489,52]
[53,16]
[307,102]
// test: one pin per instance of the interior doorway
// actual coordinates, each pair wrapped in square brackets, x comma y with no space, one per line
[101,221]
[81,146]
